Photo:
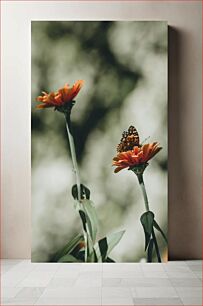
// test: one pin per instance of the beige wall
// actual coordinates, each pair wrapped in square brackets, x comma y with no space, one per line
[184,19]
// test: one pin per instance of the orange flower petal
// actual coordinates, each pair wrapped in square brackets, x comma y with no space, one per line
[43,106]
[118,169]
[72,92]
[145,149]
[40,98]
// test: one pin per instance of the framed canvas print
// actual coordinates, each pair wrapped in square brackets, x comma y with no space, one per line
[99,141]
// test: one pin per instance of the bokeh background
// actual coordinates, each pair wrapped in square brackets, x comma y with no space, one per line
[124,66]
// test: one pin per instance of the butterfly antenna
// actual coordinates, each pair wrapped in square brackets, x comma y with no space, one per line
[145,140]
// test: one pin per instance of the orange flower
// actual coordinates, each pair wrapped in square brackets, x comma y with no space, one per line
[60,98]
[136,157]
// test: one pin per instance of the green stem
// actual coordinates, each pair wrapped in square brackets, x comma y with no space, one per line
[73,154]
[76,170]
[142,185]
[86,245]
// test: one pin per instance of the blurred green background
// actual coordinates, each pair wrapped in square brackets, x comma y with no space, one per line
[124,66]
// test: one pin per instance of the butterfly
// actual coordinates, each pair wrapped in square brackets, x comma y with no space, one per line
[129,140]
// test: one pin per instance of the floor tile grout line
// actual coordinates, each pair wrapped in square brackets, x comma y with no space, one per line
[187,304]
[176,291]
[12,268]
[47,285]
[16,286]
[179,296]
[102,265]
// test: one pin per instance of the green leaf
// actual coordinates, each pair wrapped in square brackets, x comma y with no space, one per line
[77,205]
[92,219]
[109,260]
[147,220]
[150,250]
[68,258]
[83,218]
[68,247]
[89,220]
[92,257]
[103,247]
[156,246]
[112,241]
[75,192]
[155,224]
[80,255]
[84,192]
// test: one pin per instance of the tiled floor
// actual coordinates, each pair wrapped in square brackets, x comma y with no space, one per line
[174,283]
